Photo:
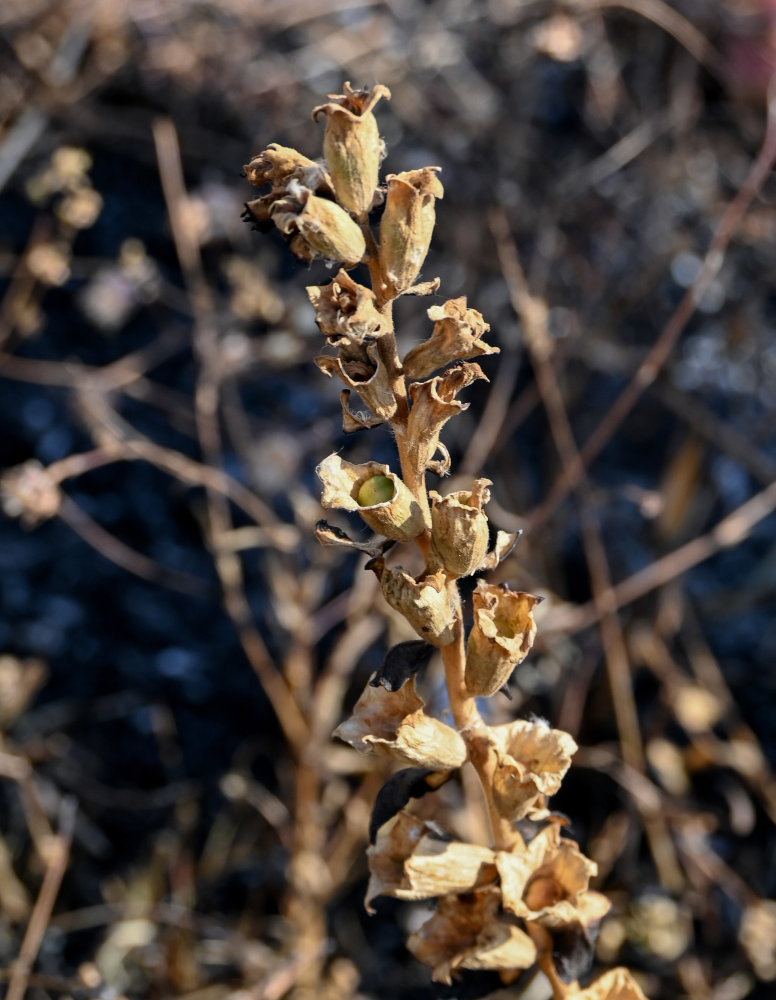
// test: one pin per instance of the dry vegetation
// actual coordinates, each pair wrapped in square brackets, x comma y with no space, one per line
[177,647]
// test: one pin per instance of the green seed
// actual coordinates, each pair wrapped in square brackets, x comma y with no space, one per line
[378,489]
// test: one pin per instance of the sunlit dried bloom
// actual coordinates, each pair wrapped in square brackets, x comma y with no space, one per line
[345,310]
[278,165]
[352,145]
[459,529]
[546,881]
[412,859]
[407,224]
[757,935]
[398,517]
[394,724]
[433,403]
[617,984]
[471,932]
[317,227]
[532,761]
[362,370]
[29,492]
[457,335]
[424,602]
[501,637]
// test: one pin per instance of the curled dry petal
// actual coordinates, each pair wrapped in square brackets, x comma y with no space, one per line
[470,932]
[278,165]
[317,227]
[546,881]
[532,761]
[352,145]
[406,226]
[502,634]
[505,542]
[433,403]
[394,724]
[411,859]
[423,602]
[366,374]
[617,984]
[345,310]
[457,334]
[399,517]
[459,529]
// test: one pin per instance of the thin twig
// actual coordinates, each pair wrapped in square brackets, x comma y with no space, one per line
[659,352]
[58,857]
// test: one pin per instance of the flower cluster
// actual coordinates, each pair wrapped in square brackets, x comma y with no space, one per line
[524,900]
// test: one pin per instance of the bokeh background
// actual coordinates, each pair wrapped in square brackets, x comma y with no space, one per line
[176,648]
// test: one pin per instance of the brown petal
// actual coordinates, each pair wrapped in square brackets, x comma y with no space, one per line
[501,637]
[433,403]
[532,761]
[470,932]
[456,335]
[368,378]
[423,602]
[413,860]
[345,310]
[280,164]
[394,724]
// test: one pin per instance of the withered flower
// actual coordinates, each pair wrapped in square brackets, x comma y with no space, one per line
[398,516]
[362,370]
[412,859]
[317,227]
[407,224]
[532,761]
[501,637]
[433,403]
[459,529]
[545,881]
[457,335]
[345,311]
[470,932]
[352,145]
[278,165]
[393,723]
[423,602]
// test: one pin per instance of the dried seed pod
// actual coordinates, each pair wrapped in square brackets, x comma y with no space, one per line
[433,403]
[502,634]
[352,145]
[407,224]
[394,724]
[412,859]
[317,227]
[278,165]
[424,602]
[459,529]
[345,311]
[470,932]
[362,370]
[457,335]
[399,517]
[532,760]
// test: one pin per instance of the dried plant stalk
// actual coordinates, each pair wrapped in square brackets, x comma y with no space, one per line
[522,901]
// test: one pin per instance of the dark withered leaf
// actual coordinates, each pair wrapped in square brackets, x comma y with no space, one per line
[572,950]
[402,662]
[409,783]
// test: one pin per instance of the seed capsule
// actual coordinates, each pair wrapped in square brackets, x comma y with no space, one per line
[407,225]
